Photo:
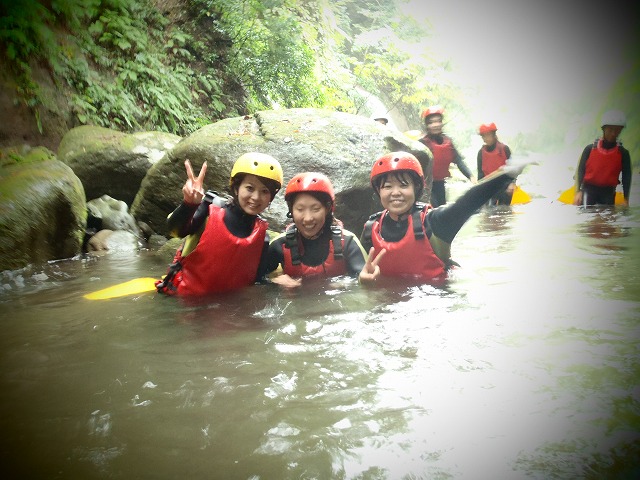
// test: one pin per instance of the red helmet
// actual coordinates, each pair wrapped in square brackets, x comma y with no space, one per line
[396,162]
[433,110]
[487,128]
[309,182]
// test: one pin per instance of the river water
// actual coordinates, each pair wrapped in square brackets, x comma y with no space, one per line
[524,365]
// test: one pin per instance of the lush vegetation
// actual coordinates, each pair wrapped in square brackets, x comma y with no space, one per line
[128,67]
[140,65]
[124,68]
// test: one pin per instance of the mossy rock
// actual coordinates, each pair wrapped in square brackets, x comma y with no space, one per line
[42,209]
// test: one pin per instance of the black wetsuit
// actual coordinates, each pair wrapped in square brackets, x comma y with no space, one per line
[445,221]
[315,252]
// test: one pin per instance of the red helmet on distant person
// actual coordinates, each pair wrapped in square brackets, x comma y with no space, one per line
[309,182]
[433,110]
[398,162]
[487,128]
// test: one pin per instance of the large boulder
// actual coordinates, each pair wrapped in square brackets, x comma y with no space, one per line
[42,208]
[341,145]
[112,163]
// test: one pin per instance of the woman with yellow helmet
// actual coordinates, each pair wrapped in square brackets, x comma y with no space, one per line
[225,241]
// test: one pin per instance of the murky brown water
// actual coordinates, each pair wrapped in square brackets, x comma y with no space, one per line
[526,365]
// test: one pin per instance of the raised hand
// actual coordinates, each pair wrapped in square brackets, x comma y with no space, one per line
[193,191]
[371,270]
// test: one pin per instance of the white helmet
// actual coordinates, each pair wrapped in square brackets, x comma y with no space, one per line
[613,117]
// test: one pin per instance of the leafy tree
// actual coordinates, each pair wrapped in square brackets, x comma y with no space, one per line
[269,52]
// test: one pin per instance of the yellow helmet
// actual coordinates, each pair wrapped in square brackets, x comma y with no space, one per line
[259,164]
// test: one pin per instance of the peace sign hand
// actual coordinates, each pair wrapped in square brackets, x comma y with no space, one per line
[371,270]
[193,191]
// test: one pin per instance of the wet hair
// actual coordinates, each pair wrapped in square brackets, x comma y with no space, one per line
[272,185]
[403,176]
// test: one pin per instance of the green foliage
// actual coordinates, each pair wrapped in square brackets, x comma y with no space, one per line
[269,53]
[126,69]
[145,80]
[129,69]
[24,34]
[402,79]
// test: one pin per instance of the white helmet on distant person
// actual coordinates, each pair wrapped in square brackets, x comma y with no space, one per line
[613,117]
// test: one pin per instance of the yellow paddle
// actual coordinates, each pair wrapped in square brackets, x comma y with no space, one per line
[137,285]
[569,193]
[520,196]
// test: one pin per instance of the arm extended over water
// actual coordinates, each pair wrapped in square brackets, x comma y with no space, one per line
[447,220]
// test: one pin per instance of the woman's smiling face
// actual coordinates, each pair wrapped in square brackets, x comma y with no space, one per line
[253,195]
[309,215]
[397,194]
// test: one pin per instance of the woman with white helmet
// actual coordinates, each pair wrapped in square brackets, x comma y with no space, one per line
[601,164]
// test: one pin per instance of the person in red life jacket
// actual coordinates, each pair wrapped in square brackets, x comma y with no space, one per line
[493,155]
[444,154]
[226,241]
[411,239]
[315,244]
[601,164]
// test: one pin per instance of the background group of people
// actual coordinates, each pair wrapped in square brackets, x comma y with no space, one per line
[601,164]
[226,244]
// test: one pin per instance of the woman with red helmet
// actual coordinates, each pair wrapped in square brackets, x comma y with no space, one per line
[315,244]
[411,239]
[444,154]
[493,155]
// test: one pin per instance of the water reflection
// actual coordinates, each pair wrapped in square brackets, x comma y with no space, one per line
[604,223]
[524,364]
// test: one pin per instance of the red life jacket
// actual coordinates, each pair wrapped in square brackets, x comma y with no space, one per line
[492,161]
[443,155]
[221,262]
[333,265]
[603,166]
[413,255]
